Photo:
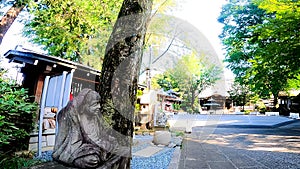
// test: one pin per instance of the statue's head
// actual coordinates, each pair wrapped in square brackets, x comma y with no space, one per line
[88,102]
[93,103]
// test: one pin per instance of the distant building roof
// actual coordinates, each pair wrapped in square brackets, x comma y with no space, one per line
[289,93]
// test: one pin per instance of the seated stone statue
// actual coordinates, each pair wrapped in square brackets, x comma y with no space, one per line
[82,140]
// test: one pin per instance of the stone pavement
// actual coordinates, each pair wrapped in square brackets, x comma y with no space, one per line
[182,122]
[235,142]
[273,146]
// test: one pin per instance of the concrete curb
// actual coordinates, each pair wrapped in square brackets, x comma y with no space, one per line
[174,163]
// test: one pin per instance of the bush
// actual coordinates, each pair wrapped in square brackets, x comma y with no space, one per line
[17,116]
[179,133]
[261,107]
[18,161]
[176,106]
[247,112]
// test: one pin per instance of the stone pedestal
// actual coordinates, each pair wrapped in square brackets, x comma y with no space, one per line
[48,140]
[189,126]
[114,163]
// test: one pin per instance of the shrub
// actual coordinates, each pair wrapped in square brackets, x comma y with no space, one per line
[18,161]
[179,133]
[247,112]
[261,107]
[176,106]
[17,116]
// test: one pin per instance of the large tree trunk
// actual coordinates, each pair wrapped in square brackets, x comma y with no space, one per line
[275,101]
[193,101]
[121,65]
[8,19]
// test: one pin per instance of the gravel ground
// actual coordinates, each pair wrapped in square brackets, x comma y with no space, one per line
[159,160]
[46,156]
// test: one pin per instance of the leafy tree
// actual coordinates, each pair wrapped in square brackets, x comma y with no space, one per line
[73,29]
[190,77]
[294,83]
[261,47]
[280,37]
[238,17]
[166,81]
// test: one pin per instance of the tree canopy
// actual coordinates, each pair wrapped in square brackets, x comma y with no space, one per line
[72,29]
[76,30]
[262,43]
[240,94]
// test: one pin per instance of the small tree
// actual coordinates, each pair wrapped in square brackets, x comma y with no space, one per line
[240,94]
[190,77]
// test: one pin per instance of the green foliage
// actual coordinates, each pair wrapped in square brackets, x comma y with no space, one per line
[261,107]
[139,93]
[294,83]
[76,30]
[176,106]
[137,108]
[73,29]
[179,133]
[17,115]
[166,81]
[262,43]
[17,161]
[247,112]
[158,23]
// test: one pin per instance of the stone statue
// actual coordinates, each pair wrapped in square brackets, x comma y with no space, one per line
[82,140]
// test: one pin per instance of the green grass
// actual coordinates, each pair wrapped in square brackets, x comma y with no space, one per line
[179,133]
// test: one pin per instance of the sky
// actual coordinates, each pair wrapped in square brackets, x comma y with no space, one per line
[202,14]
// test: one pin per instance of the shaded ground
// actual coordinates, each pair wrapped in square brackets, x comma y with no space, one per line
[231,142]
[235,147]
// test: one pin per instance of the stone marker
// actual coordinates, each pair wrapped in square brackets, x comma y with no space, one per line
[82,139]
[162,137]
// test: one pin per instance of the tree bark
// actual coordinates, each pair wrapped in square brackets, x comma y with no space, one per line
[121,66]
[193,100]
[9,18]
[275,101]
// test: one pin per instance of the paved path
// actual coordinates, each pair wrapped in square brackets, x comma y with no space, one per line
[276,146]
[181,122]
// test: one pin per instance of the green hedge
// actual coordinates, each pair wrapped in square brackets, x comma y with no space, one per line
[17,116]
